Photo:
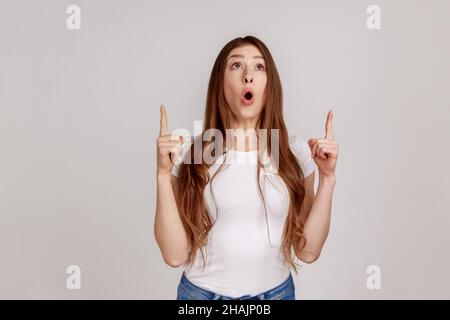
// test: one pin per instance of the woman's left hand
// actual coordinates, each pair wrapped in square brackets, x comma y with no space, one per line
[325,151]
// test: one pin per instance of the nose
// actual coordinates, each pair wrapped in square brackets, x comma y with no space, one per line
[248,79]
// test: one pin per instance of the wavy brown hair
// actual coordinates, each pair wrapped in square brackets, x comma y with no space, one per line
[194,177]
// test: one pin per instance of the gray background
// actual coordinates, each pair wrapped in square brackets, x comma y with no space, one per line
[80,116]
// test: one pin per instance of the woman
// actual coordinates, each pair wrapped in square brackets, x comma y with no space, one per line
[236,223]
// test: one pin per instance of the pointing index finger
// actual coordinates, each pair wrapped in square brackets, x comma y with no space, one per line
[329,126]
[163,121]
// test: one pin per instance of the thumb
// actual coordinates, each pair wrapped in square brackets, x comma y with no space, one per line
[311,142]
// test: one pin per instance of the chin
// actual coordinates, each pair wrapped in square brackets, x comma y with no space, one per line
[248,114]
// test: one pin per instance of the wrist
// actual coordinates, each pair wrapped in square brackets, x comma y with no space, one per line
[328,180]
[163,177]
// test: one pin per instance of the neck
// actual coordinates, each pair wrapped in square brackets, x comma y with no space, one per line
[244,135]
[244,124]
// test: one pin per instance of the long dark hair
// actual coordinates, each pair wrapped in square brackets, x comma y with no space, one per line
[194,177]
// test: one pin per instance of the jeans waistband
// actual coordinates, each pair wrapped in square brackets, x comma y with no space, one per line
[286,287]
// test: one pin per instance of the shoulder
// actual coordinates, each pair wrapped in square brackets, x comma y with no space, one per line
[300,148]
[298,145]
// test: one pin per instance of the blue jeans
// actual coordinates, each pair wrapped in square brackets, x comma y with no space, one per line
[188,291]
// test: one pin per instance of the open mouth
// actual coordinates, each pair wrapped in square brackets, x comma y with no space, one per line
[247,97]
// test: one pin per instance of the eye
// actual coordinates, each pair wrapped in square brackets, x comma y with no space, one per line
[260,67]
[236,65]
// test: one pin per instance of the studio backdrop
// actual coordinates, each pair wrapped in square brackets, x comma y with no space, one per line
[81,83]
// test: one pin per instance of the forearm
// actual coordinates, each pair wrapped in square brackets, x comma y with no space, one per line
[169,230]
[317,224]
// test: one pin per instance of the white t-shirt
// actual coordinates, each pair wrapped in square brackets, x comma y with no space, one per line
[243,251]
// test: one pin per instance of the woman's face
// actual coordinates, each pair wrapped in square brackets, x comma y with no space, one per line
[244,84]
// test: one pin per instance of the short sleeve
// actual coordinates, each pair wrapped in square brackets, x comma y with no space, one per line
[301,150]
[184,149]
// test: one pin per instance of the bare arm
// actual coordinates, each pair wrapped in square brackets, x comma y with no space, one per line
[317,224]
[325,153]
[169,230]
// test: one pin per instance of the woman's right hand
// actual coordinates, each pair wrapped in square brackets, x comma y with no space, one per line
[168,147]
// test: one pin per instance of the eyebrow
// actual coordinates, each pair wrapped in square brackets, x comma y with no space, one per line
[241,56]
